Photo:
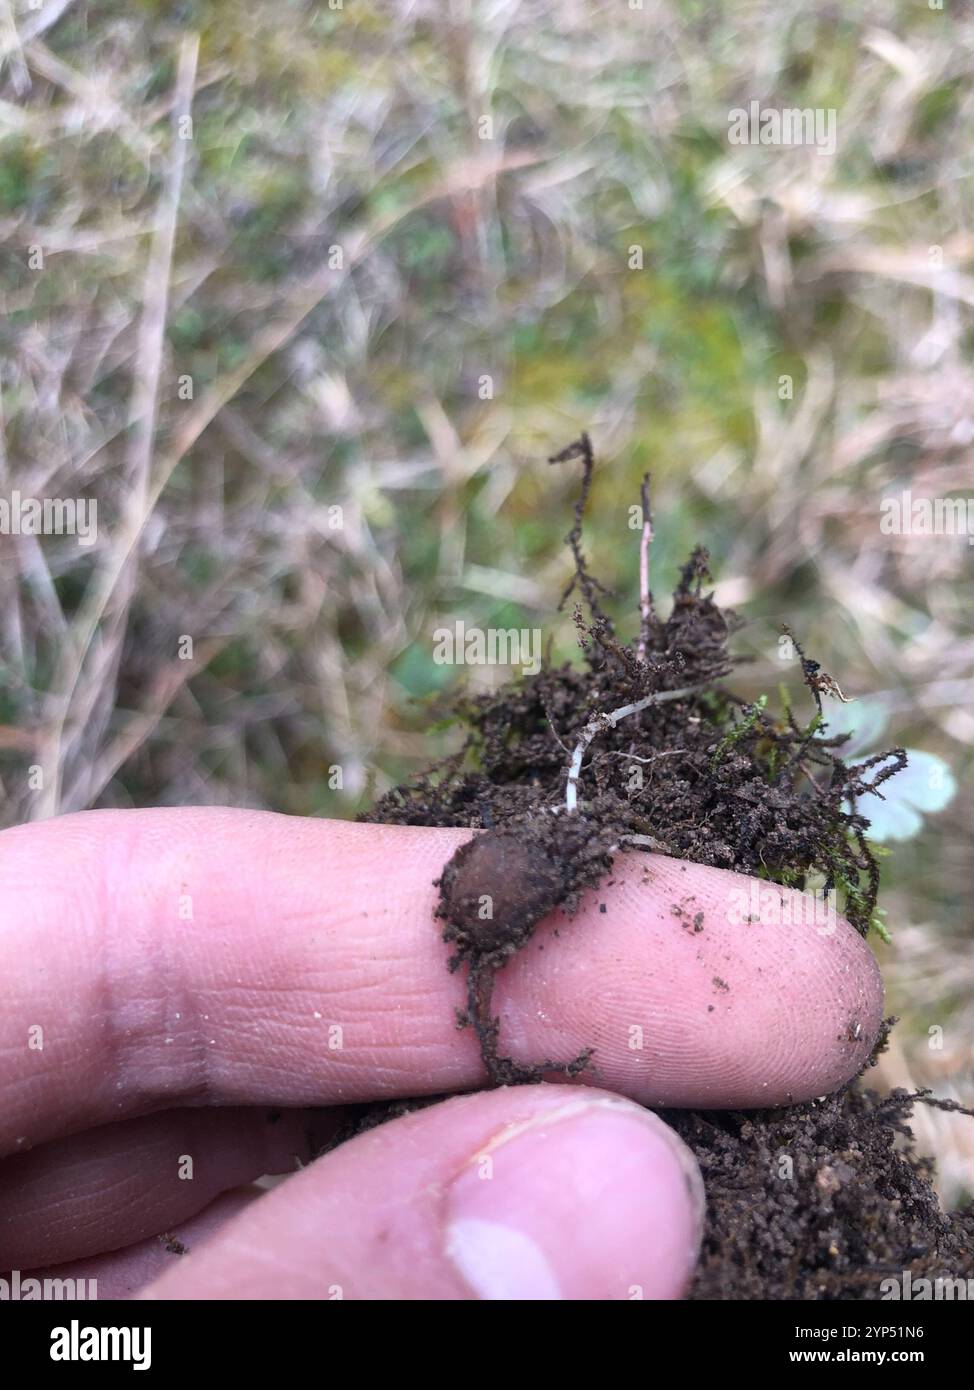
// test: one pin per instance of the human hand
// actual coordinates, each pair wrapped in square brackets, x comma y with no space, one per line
[202,977]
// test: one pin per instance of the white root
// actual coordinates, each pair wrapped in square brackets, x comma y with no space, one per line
[645,602]
[600,722]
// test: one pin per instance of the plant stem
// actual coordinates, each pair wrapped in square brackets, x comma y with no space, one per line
[645,597]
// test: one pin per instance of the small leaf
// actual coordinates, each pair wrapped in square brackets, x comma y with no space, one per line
[864,719]
[879,926]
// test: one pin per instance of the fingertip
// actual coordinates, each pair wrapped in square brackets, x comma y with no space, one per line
[597,1200]
[690,999]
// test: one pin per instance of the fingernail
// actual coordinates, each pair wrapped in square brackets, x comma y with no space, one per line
[596,1199]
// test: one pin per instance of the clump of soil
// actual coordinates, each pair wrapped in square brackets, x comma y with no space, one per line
[647,747]
[821,1201]
[494,891]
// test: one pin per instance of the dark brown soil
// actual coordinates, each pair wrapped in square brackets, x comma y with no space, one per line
[820,1201]
[694,772]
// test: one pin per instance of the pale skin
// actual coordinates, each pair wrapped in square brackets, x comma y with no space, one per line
[196,971]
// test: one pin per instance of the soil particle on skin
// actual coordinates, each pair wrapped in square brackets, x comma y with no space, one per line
[814,1201]
[691,923]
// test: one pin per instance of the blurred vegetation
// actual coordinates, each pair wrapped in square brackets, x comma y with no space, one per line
[308,466]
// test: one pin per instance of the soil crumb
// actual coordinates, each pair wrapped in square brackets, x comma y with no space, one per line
[821,1201]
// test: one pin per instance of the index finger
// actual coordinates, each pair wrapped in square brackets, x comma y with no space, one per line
[212,956]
